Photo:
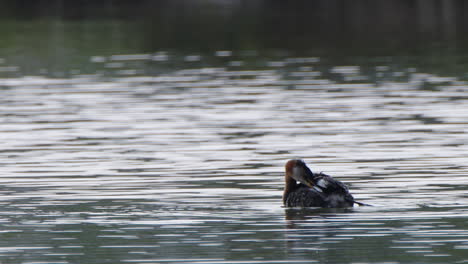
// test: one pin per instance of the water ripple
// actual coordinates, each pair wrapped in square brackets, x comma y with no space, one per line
[189,163]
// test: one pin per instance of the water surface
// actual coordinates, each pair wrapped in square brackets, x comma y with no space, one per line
[187,166]
[126,153]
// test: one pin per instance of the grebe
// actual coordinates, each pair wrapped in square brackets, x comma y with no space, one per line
[313,189]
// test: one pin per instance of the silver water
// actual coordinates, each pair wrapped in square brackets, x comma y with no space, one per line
[186,165]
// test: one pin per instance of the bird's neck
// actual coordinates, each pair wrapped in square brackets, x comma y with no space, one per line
[290,185]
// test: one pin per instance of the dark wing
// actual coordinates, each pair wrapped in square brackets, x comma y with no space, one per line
[336,192]
[328,184]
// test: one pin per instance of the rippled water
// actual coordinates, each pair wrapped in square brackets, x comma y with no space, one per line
[147,162]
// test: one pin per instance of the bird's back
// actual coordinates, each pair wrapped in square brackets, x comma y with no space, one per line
[335,193]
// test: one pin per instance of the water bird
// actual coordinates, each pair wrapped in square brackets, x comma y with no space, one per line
[303,188]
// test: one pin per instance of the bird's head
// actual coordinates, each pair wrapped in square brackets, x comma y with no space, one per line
[298,170]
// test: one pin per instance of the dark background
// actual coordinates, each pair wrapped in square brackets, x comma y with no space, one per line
[363,26]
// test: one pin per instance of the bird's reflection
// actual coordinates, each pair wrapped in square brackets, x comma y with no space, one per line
[298,214]
[309,227]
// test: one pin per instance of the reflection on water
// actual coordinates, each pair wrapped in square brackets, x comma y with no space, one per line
[121,152]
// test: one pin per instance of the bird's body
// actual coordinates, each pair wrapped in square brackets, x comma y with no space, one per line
[304,188]
[303,196]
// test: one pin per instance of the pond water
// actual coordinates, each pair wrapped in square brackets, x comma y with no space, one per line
[177,157]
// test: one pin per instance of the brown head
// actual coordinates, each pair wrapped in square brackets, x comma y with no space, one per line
[297,170]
